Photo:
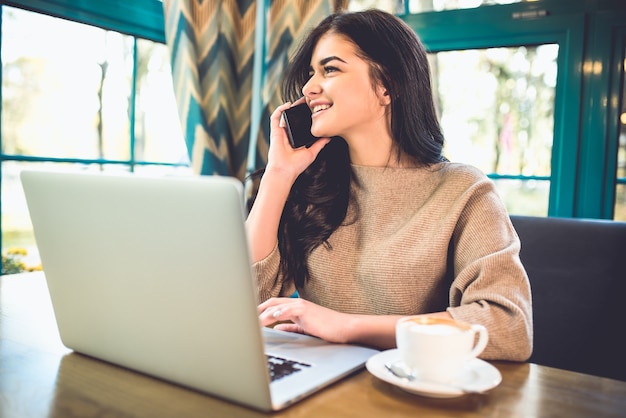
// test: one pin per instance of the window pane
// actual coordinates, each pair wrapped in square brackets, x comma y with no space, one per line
[17,231]
[65,94]
[391,6]
[620,202]
[417,6]
[496,108]
[620,192]
[158,133]
[525,197]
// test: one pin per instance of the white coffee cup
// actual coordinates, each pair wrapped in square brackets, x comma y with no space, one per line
[435,349]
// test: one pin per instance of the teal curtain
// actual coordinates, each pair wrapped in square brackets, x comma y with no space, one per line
[213,46]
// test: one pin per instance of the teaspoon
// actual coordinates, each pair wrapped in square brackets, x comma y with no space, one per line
[399,371]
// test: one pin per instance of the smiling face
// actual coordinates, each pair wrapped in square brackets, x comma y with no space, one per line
[343,97]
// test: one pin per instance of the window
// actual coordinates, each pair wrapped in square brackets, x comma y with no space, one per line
[80,97]
[420,6]
[620,192]
[554,65]
[502,121]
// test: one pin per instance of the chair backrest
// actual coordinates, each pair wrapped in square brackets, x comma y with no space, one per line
[577,272]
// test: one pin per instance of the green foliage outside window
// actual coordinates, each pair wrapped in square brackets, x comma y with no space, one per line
[13,263]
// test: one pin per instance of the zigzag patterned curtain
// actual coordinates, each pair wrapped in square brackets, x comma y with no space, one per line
[212,45]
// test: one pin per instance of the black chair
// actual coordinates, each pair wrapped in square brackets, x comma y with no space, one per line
[577,272]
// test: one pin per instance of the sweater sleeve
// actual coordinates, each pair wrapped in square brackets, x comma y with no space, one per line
[490,285]
[269,282]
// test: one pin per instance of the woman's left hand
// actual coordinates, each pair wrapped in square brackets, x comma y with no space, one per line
[302,316]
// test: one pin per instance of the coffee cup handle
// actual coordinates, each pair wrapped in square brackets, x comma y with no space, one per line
[483,338]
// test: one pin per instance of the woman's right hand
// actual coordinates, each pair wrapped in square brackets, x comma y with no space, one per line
[282,157]
[284,165]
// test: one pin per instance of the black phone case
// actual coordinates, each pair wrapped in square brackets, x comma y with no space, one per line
[298,120]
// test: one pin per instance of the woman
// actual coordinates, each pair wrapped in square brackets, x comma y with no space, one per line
[371,223]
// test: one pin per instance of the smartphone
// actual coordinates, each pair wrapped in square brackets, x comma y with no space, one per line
[298,120]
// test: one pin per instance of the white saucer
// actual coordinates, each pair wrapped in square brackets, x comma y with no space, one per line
[477,376]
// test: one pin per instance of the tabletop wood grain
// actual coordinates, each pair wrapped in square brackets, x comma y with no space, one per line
[39,377]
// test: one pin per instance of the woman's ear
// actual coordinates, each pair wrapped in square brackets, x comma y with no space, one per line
[383,95]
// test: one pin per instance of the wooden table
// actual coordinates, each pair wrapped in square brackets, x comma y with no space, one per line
[39,377]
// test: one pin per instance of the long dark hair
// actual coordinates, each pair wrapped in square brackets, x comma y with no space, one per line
[318,202]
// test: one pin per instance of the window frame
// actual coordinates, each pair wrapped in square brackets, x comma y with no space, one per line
[139,18]
[516,25]
[603,103]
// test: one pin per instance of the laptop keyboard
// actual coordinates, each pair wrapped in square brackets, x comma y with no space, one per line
[280,367]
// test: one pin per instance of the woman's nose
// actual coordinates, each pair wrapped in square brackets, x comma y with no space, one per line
[311,87]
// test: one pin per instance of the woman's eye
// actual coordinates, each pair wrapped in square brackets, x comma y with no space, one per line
[326,70]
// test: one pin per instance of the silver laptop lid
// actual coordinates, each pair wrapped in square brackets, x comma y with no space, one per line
[153,274]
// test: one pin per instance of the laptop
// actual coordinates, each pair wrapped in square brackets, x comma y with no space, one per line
[154,274]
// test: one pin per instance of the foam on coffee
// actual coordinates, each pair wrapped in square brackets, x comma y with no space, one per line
[436,325]
[435,329]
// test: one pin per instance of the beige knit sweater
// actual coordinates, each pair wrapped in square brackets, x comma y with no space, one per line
[414,226]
